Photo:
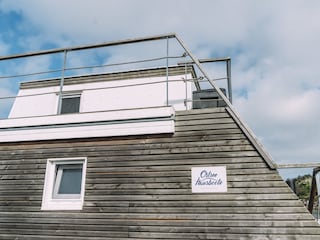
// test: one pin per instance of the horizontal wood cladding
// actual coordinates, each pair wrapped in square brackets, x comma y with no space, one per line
[140,188]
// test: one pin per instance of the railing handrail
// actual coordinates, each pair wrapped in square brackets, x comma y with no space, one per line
[89,46]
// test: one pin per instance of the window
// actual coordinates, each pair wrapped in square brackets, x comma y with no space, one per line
[64,184]
[68,181]
[70,103]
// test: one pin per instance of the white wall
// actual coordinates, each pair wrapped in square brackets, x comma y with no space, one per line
[27,104]
[104,96]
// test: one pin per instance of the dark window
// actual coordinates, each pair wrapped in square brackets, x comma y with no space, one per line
[70,104]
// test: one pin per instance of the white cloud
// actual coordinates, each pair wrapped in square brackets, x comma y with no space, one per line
[4,48]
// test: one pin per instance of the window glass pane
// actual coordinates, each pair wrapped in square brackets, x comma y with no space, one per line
[70,105]
[71,179]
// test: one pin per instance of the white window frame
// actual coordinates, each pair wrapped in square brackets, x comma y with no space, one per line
[66,95]
[50,201]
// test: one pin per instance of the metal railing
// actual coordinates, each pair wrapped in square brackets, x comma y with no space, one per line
[63,71]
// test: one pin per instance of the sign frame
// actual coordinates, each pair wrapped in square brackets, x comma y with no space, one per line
[209,179]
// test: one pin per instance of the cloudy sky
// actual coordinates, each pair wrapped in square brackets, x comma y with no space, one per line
[274,46]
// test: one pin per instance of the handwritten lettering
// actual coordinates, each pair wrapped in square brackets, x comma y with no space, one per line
[208,178]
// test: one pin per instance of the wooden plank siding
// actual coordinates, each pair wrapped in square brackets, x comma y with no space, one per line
[140,188]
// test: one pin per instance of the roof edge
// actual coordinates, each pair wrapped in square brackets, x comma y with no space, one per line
[252,138]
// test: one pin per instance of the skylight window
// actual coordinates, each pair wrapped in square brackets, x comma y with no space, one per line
[64,184]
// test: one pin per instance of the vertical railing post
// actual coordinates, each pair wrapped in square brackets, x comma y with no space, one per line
[229,79]
[167,73]
[313,190]
[62,80]
[186,84]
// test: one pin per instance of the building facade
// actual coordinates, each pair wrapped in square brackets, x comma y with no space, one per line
[113,157]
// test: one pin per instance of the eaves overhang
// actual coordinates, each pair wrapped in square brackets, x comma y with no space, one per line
[140,121]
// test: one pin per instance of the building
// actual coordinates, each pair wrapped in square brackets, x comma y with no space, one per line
[126,155]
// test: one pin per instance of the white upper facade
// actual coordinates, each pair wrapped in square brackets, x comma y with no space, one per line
[106,92]
[113,104]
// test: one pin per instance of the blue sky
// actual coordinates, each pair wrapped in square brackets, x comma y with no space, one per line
[274,46]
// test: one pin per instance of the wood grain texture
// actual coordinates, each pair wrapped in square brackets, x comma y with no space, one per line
[140,187]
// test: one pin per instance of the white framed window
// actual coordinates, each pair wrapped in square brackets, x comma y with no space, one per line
[64,184]
[70,103]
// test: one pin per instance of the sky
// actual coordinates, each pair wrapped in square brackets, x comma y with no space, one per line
[273,44]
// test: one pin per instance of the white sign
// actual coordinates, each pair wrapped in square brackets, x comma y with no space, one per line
[209,179]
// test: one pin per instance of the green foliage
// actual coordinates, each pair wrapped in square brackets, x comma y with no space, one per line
[303,186]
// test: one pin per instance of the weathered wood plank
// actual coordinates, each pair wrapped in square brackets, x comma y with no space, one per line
[218,235]
[200,122]
[231,145]
[213,133]
[190,158]
[140,187]
[70,232]
[74,215]
[167,222]
[200,111]
[41,237]
[188,117]
[263,184]
[154,192]
[169,197]
[206,127]
[141,147]
[225,230]
[147,185]
[199,203]
[240,169]
[178,137]
[164,210]
[178,203]
[114,230]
